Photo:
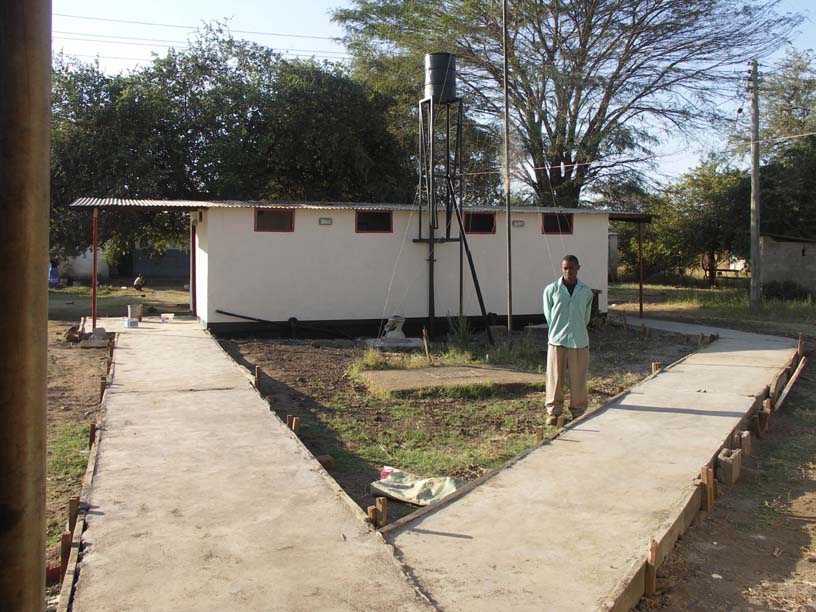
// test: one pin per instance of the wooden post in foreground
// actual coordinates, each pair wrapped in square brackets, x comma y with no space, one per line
[656,366]
[707,478]
[651,569]
[381,504]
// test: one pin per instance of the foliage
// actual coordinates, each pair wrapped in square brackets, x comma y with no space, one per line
[788,96]
[221,119]
[704,214]
[459,332]
[788,192]
[588,81]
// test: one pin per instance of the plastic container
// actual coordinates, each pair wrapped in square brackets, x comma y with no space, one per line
[135,311]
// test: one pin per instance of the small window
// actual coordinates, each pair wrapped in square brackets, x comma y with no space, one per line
[480,223]
[556,223]
[274,220]
[373,221]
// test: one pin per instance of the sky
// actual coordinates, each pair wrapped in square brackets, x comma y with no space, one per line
[123,36]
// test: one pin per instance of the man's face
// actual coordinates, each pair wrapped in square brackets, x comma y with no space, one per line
[570,271]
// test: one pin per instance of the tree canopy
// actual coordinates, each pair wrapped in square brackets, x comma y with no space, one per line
[221,119]
[589,82]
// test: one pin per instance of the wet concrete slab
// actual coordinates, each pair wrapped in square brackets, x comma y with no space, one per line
[560,528]
[203,500]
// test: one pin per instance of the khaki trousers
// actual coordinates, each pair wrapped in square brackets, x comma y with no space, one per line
[560,358]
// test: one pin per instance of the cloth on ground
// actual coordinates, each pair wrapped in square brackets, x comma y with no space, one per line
[410,488]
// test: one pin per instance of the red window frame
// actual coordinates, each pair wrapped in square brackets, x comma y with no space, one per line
[291,212]
[390,229]
[470,214]
[569,225]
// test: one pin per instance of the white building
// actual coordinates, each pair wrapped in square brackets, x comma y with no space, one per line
[347,266]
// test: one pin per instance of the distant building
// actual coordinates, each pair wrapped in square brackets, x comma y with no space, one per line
[784,259]
[349,265]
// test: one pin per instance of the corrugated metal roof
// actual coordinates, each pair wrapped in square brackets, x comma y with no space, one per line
[195,205]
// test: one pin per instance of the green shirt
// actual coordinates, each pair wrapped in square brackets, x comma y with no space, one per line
[567,315]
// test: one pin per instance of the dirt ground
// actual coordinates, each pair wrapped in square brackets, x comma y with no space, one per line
[435,434]
[756,550]
[73,398]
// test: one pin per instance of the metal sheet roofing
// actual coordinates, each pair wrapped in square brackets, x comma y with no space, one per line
[196,204]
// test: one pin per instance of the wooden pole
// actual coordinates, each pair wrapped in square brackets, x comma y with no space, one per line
[371,511]
[651,569]
[755,226]
[296,424]
[65,552]
[92,435]
[539,434]
[707,478]
[656,367]
[289,420]
[103,381]
[800,348]
[425,344]
[25,109]
[257,377]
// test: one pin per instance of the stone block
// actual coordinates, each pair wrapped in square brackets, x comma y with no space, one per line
[729,463]
[745,442]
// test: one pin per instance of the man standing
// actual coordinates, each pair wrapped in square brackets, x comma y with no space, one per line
[567,306]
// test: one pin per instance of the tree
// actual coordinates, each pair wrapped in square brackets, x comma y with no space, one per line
[788,95]
[788,192]
[222,119]
[589,81]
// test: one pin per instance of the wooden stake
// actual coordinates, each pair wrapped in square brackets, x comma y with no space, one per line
[73,512]
[372,514]
[103,381]
[625,324]
[289,419]
[65,552]
[539,434]
[427,348]
[765,415]
[559,422]
[707,478]
[800,349]
[651,569]
[257,377]
[381,504]
[782,396]
[656,366]
[296,424]
[92,435]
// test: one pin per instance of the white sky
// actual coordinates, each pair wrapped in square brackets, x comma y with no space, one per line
[301,28]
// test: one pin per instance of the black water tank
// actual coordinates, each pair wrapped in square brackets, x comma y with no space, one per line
[440,77]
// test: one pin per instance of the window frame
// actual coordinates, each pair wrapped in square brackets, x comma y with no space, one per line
[471,213]
[357,229]
[291,212]
[565,232]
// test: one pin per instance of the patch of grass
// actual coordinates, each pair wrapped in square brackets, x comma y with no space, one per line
[66,462]
[524,354]
[469,391]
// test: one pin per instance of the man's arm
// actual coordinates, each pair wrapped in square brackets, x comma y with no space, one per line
[588,309]
[547,304]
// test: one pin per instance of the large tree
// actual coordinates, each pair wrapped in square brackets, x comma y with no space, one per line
[221,119]
[590,81]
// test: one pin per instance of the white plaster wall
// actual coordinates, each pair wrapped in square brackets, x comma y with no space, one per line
[202,253]
[330,272]
[81,267]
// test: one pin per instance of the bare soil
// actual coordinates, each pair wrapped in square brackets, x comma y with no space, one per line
[432,435]
[73,397]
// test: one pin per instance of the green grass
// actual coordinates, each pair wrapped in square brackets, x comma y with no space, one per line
[724,306]
[524,354]
[66,462]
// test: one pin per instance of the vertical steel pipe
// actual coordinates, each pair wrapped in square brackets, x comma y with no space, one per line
[94,272]
[507,177]
[640,267]
[25,83]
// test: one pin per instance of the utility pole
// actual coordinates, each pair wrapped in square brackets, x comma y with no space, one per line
[507,176]
[755,265]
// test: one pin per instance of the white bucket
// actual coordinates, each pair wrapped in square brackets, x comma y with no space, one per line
[135,311]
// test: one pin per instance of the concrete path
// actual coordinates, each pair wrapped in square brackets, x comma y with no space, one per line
[204,500]
[423,378]
[560,528]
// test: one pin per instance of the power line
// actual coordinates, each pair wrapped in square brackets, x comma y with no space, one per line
[337,54]
[187,27]
[150,59]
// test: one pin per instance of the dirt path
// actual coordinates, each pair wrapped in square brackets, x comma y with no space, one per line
[757,549]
